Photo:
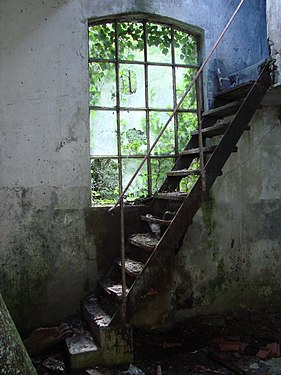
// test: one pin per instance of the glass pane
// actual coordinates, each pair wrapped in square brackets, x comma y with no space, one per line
[185,48]
[132,86]
[104,177]
[103,133]
[160,87]
[102,41]
[130,40]
[133,133]
[159,169]
[184,77]
[138,188]
[102,88]
[166,144]
[158,43]
[187,123]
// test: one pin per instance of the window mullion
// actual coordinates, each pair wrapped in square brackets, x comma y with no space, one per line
[120,170]
[176,150]
[149,177]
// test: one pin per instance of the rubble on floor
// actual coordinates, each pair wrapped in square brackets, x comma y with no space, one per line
[236,343]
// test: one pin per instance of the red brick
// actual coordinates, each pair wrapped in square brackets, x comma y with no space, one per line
[263,354]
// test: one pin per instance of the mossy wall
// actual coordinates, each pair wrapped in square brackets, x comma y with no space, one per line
[13,356]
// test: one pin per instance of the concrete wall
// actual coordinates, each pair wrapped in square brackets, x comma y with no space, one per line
[48,257]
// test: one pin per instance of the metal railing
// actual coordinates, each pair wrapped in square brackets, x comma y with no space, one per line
[120,200]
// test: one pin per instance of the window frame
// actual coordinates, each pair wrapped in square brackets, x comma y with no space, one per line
[147,109]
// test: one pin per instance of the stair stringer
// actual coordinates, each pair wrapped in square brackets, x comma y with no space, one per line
[159,261]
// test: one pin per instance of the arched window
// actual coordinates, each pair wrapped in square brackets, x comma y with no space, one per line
[138,71]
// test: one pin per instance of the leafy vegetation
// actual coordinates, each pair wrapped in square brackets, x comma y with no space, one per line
[110,43]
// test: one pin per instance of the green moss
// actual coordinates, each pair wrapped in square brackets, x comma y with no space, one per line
[207,213]
[13,356]
[215,286]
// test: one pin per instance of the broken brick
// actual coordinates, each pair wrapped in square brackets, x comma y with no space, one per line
[232,346]
[274,349]
[263,354]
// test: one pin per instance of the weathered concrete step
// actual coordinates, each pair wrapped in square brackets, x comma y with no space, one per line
[223,111]
[174,196]
[112,288]
[239,91]
[97,318]
[145,241]
[132,267]
[213,131]
[85,352]
[156,220]
[183,173]
[196,151]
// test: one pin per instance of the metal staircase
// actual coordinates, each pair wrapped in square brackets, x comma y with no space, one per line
[169,215]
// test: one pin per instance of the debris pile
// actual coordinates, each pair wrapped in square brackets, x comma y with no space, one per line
[230,344]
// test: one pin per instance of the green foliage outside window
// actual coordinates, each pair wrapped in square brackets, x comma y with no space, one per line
[134,136]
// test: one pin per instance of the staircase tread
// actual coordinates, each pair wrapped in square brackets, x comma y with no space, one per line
[144,240]
[223,111]
[81,341]
[132,267]
[156,220]
[193,151]
[113,288]
[237,91]
[184,172]
[97,313]
[175,195]
[213,130]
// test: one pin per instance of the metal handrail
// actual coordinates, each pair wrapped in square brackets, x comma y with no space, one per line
[121,197]
[177,106]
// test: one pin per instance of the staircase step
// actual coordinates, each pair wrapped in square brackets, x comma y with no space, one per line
[145,241]
[213,131]
[112,288]
[156,220]
[183,173]
[116,347]
[82,349]
[196,151]
[223,111]
[239,91]
[132,267]
[97,318]
[176,196]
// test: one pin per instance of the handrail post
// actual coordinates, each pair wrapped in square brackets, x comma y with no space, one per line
[200,137]
[122,256]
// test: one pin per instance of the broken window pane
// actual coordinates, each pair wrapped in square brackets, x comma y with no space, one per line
[132,86]
[133,133]
[104,175]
